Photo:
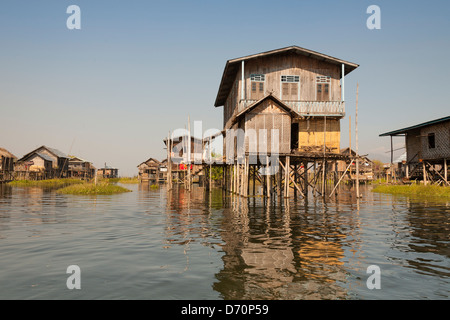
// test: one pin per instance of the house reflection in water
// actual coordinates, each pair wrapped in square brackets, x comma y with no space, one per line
[272,253]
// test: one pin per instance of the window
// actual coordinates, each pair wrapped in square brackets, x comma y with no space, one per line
[290,87]
[323,88]
[431,141]
[257,86]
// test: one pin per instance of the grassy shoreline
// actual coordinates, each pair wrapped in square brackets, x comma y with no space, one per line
[50,183]
[93,189]
[415,190]
[125,180]
[73,186]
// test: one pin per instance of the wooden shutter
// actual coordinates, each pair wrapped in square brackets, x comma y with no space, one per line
[323,88]
[257,86]
[289,88]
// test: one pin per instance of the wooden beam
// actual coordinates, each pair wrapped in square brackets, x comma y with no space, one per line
[445,171]
[292,180]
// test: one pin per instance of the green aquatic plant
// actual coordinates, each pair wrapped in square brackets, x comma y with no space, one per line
[50,183]
[102,188]
[415,190]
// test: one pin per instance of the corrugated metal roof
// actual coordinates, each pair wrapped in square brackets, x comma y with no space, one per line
[44,156]
[56,152]
[420,125]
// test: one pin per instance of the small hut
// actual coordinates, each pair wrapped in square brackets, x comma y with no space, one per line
[366,165]
[80,168]
[150,171]
[108,172]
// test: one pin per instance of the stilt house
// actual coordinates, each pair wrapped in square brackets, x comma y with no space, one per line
[49,162]
[80,168]
[288,101]
[150,171]
[427,149]
[7,161]
[108,172]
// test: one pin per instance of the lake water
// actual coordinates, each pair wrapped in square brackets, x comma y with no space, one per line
[155,244]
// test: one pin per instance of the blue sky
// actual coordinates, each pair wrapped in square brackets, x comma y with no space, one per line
[111,91]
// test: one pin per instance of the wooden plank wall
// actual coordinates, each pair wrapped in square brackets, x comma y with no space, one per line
[294,64]
[273,67]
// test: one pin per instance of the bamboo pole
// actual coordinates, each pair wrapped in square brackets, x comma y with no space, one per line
[424,173]
[356,144]
[287,175]
[345,172]
[189,153]
[295,184]
[267,177]
[445,170]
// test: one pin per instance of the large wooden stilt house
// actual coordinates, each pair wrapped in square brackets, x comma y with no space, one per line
[298,91]
[286,102]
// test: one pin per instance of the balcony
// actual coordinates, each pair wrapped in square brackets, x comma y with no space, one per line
[308,108]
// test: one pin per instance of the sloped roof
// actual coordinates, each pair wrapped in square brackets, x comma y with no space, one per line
[108,168]
[420,125]
[232,67]
[56,152]
[150,159]
[5,153]
[44,156]
[53,151]
[257,103]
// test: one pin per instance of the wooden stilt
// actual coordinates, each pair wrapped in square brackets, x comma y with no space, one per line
[424,173]
[287,176]
[295,180]
[268,177]
[254,180]
[445,171]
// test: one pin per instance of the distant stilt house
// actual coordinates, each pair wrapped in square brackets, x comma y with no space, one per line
[7,162]
[35,166]
[43,163]
[108,172]
[80,168]
[366,170]
[184,162]
[427,150]
[152,171]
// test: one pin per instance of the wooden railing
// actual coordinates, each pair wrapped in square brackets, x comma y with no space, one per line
[307,108]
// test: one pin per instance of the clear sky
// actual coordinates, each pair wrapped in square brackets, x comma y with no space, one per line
[111,91]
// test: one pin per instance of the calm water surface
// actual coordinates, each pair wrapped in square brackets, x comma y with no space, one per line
[154,244]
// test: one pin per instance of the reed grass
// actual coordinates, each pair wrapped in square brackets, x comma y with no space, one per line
[102,188]
[125,180]
[50,183]
[128,180]
[415,190]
